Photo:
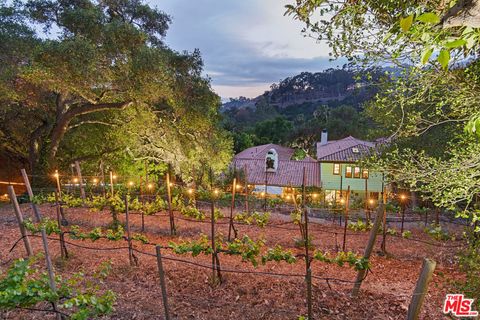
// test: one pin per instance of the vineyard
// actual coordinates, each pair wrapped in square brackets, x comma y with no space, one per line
[181,253]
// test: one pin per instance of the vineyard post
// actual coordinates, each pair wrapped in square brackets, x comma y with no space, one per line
[246,190]
[63,248]
[403,216]
[384,228]
[170,212]
[102,173]
[369,248]
[347,204]
[308,276]
[265,193]
[19,216]
[367,198]
[63,221]
[421,289]
[38,219]
[111,183]
[129,239]
[161,273]
[232,206]
[80,181]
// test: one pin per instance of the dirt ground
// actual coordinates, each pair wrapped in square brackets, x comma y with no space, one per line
[385,293]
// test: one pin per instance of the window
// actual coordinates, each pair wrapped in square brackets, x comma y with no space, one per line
[356,172]
[348,172]
[365,174]
[336,168]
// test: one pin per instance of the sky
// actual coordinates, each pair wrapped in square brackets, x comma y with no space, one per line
[246,45]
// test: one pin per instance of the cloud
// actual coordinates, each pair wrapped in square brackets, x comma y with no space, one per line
[246,44]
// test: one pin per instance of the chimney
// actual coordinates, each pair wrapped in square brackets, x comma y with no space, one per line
[324,139]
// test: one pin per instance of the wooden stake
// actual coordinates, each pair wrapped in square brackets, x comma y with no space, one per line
[347,204]
[63,220]
[308,276]
[63,248]
[173,231]
[232,207]
[19,216]
[246,190]
[369,248]
[129,239]
[384,229]
[421,289]
[367,198]
[161,274]
[102,173]
[80,181]
[111,184]
[38,219]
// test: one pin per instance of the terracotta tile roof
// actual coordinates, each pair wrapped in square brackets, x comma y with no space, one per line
[259,152]
[289,172]
[345,150]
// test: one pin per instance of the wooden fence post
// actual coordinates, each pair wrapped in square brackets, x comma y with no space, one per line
[369,248]
[19,216]
[421,289]
[80,181]
[347,204]
[173,231]
[161,273]
[38,218]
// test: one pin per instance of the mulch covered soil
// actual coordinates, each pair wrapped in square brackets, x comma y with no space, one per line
[385,293]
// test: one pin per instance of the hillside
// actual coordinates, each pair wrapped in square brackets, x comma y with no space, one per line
[294,111]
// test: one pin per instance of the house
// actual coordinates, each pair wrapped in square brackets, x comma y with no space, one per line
[340,169]
[269,167]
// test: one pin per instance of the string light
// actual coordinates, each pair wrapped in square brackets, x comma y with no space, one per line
[114,177]
[371,201]
[238,186]
[190,191]
[314,195]
[342,201]
[56,175]
[150,186]
[130,183]
[262,194]
[403,197]
[171,184]
[215,191]
[75,180]
[95,180]
[287,197]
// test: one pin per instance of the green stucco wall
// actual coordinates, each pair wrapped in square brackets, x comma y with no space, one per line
[332,182]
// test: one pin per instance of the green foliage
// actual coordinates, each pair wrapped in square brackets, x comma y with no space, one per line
[193,212]
[470,264]
[140,237]
[278,254]
[260,219]
[436,232]
[359,225]
[195,247]
[247,248]
[355,261]
[406,234]
[50,225]
[25,286]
